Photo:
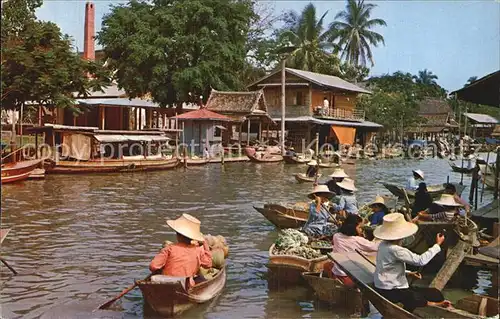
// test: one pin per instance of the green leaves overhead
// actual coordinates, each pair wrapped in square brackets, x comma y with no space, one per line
[171,48]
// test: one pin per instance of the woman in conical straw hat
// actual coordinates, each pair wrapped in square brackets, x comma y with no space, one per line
[312,168]
[390,273]
[379,210]
[417,176]
[184,258]
[317,225]
[443,209]
[337,176]
[348,203]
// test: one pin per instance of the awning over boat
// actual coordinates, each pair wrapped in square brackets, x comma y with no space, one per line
[344,134]
[117,138]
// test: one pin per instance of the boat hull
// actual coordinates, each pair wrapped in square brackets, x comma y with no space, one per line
[294,160]
[19,171]
[172,299]
[303,178]
[282,218]
[110,166]
[458,169]
[434,190]
[267,159]
[197,162]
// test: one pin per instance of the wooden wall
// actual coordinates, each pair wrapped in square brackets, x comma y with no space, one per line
[347,102]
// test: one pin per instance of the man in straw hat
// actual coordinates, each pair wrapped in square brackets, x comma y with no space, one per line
[348,203]
[317,223]
[412,184]
[337,176]
[390,273]
[312,168]
[184,258]
[443,209]
[379,210]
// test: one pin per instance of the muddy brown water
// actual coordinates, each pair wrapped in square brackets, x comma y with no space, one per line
[79,240]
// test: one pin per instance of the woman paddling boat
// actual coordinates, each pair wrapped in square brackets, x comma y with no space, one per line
[317,224]
[379,210]
[312,168]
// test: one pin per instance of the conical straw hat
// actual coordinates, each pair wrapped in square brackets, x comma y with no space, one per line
[188,226]
[394,227]
[419,172]
[322,191]
[347,184]
[339,173]
[378,200]
[447,200]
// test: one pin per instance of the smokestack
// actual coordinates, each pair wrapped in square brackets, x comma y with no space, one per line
[89,32]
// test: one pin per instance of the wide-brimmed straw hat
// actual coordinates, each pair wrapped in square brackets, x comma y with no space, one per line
[447,200]
[339,173]
[419,173]
[394,227]
[378,200]
[312,163]
[188,226]
[321,191]
[347,184]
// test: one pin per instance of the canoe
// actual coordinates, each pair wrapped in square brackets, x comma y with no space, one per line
[197,161]
[334,292]
[111,165]
[267,158]
[459,169]
[303,178]
[295,160]
[288,269]
[19,171]
[283,217]
[361,272]
[172,298]
[38,173]
[434,190]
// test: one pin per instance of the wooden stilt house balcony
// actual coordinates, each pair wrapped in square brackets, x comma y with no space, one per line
[341,114]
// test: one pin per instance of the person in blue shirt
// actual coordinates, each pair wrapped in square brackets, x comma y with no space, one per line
[318,223]
[348,203]
[379,211]
[413,181]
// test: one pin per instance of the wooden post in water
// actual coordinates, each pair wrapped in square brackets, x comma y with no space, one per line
[485,174]
[462,173]
[185,158]
[317,145]
[222,157]
[451,264]
[497,170]
[473,184]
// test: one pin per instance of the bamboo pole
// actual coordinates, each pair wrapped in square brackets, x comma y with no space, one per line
[485,174]
[317,145]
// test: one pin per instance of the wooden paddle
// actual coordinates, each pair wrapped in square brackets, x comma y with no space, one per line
[123,293]
[8,266]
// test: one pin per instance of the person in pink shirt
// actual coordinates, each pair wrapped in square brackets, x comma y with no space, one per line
[184,258]
[348,240]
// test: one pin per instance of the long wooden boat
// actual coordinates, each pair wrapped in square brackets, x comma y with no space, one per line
[196,161]
[334,292]
[172,298]
[459,169]
[283,217]
[37,173]
[267,158]
[111,165]
[19,171]
[361,272]
[288,269]
[303,178]
[295,160]
[434,190]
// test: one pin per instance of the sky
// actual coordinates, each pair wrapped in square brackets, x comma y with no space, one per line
[453,39]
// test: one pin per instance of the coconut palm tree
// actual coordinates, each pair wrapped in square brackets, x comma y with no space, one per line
[426,77]
[352,29]
[305,32]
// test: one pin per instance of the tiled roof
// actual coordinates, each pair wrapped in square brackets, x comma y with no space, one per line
[244,103]
[203,114]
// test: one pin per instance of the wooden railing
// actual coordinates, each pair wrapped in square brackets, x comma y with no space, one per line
[342,114]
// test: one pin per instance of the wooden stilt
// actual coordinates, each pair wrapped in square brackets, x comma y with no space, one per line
[248,132]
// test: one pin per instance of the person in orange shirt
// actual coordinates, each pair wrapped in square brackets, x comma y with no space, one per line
[184,258]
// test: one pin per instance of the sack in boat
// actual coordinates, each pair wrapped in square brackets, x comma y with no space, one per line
[218,259]
[209,273]
[217,242]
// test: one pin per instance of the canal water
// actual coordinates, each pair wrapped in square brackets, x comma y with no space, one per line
[79,240]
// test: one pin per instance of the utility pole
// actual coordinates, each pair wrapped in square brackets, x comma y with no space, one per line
[283,102]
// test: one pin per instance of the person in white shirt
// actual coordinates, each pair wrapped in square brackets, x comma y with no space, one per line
[417,177]
[390,273]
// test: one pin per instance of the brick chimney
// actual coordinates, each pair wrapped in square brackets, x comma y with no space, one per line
[89,32]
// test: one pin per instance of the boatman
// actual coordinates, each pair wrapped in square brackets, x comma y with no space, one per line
[418,176]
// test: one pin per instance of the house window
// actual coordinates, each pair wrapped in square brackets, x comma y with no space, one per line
[218,132]
[299,98]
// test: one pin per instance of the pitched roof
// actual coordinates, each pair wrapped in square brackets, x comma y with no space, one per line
[328,81]
[482,91]
[203,115]
[245,103]
[481,118]
[434,106]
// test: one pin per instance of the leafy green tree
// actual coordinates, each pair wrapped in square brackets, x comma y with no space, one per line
[169,48]
[352,29]
[426,77]
[471,80]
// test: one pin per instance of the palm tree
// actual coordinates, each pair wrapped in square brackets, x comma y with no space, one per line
[305,32]
[426,77]
[471,80]
[352,29]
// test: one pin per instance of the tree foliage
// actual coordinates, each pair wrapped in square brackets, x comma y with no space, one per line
[38,61]
[170,48]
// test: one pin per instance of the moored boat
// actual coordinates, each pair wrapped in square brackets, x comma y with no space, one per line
[284,217]
[38,173]
[18,171]
[303,178]
[434,190]
[265,158]
[295,159]
[196,161]
[170,299]
[111,165]
[459,169]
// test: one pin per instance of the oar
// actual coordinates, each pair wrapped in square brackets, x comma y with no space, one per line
[8,266]
[123,293]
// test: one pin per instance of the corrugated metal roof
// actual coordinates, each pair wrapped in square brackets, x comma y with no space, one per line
[330,122]
[124,102]
[327,80]
[116,138]
[481,118]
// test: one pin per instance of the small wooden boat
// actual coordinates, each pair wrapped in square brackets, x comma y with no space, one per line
[284,217]
[172,298]
[295,160]
[361,271]
[111,165]
[265,158]
[38,173]
[303,178]
[196,161]
[434,190]
[19,171]
[334,292]
[288,269]
[459,169]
